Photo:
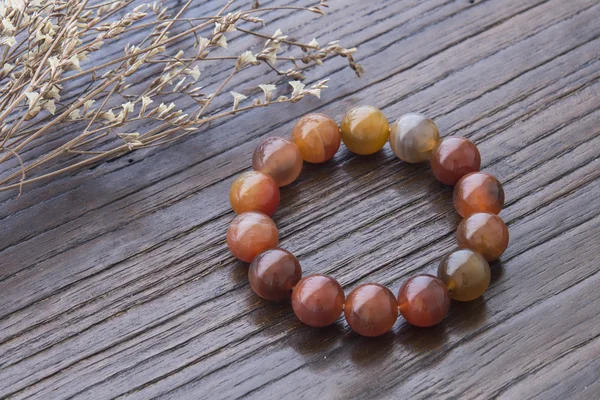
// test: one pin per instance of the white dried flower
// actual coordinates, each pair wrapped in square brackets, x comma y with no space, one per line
[245,59]
[75,114]
[9,41]
[298,88]
[49,106]
[131,139]
[145,102]
[222,42]
[193,72]
[108,115]
[8,25]
[33,98]
[237,97]
[314,43]
[87,105]
[268,90]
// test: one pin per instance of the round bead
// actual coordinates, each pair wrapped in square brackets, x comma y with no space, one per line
[413,137]
[250,234]
[317,136]
[274,273]
[254,191]
[484,233]
[423,300]
[279,158]
[465,273]
[365,130]
[453,158]
[371,309]
[318,300]
[478,192]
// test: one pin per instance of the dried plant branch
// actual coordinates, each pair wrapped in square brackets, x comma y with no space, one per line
[54,78]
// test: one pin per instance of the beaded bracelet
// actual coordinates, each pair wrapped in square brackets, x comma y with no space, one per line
[370,309]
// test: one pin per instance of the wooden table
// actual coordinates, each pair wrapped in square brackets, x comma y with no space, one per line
[116,280]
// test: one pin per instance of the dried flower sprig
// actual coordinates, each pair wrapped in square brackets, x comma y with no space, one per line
[53,76]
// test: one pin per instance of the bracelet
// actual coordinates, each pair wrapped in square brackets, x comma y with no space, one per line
[369,309]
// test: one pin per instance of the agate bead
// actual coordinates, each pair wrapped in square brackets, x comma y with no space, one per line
[484,233]
[364,130]
[318,300]
[478,192]
[371,309]
[465,273]
[279,158]
[453,158]
[254,191]
[413,137]
[423,300]
[317,136]
[274,273]
[250,234]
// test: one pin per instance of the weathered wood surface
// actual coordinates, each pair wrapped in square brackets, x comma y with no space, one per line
[116,281]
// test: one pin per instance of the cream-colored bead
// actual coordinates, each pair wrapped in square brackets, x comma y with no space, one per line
[413,137]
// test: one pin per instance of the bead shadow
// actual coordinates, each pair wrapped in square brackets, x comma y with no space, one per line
[468,316]
[309,342]
[369,351]
[420,340]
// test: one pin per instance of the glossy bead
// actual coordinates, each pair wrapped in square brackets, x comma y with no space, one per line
[274,273]
[423,300]
[483,233]
[254,191]
[413,137]
[279,158]
[318,300]
[371,309]
[317,136]
[364,130]
[453,158]
[250,234]
[478,192]
[465,273]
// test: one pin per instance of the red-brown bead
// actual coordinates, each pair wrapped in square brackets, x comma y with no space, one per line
[251,233]
[318,300]
[279,158]
[317,136]
[478,192]
[371,309]
[453,158]
[424,300]
[274,273]
[254,191]
[483,233]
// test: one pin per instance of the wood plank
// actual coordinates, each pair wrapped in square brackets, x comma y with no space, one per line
[125,286]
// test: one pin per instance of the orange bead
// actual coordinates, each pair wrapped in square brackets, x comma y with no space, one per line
[279,158]
[478,192]
[254,191]
[317,136]
[483,233]
[424,300]
[274,273]
[251,233]
[364,130]
[318,300]
[453,158]
[371,309]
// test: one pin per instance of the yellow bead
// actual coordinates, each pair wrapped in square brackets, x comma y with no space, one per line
[365,130]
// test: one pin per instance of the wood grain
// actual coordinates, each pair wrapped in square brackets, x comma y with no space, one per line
[115,281]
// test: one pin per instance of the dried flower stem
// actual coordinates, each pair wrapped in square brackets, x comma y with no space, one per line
[43,85]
